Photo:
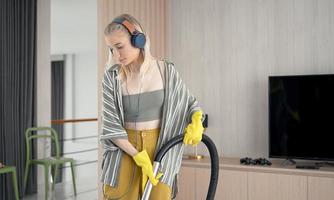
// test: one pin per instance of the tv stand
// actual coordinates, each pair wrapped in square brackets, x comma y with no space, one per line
[254,182]
[288,161]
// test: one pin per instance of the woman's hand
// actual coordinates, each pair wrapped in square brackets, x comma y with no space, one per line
[194,131]
[143,160]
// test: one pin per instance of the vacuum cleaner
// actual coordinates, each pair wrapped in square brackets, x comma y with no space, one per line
[214,165]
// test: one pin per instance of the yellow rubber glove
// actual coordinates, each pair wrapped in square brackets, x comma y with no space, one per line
[194,131]
[143,160]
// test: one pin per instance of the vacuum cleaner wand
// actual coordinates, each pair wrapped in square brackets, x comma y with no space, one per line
[214,165]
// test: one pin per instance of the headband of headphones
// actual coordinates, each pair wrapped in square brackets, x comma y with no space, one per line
[138,39]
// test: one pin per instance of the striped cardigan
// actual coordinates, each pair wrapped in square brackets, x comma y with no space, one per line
[178,108]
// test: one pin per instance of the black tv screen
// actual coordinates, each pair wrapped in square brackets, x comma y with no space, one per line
[301,117]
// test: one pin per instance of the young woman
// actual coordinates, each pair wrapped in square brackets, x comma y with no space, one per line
[145,104]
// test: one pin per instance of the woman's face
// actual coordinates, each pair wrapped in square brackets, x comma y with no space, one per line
[120,45]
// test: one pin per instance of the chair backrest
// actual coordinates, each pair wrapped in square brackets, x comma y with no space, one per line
[52,134]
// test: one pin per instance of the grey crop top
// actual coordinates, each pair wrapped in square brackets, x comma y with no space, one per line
[150,105]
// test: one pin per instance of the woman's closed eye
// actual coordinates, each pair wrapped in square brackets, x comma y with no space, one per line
[118,48]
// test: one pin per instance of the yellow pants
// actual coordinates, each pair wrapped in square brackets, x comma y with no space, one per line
[129,181]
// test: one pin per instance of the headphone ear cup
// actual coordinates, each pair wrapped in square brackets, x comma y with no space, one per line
[138,40]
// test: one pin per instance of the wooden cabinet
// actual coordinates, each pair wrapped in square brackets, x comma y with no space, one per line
[233,185]
[264,186]
[240,182]
[320,188]
[194,183]
[186,183]
[202,180]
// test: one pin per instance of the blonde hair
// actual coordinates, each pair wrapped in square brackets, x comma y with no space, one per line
[145,52]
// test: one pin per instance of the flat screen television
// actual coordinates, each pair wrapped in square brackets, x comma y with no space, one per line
[301,117]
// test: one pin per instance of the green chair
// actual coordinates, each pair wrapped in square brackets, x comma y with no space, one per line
[11,169]
[46,162]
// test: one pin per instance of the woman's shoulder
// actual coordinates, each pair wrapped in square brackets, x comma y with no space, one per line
[112,68]
[109,73]
[169,65]
[167,61]
[166,66]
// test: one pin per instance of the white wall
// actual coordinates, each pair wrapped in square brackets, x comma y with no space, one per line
[43,93]
[226,49]
[74,34]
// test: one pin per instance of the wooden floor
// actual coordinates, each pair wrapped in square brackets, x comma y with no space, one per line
[86,190]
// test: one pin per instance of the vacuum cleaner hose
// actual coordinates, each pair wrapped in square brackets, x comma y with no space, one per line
[213,155]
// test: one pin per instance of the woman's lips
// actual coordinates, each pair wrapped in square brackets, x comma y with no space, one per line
[122,60]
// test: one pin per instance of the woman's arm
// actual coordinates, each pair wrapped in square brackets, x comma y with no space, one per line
[126,146]
[112,129]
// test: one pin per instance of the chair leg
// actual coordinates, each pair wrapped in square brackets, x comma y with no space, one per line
[55,176]
[26,172]
[73,180]
[15,185]
[46,174]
